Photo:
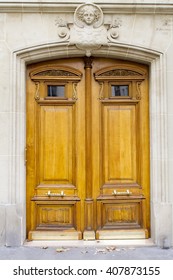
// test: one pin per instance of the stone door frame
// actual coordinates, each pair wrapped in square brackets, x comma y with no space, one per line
[160,206]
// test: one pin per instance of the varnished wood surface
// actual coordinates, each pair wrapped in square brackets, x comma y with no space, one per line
[87,146]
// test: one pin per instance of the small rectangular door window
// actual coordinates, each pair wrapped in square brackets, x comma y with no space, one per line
[119,90]
[56,91]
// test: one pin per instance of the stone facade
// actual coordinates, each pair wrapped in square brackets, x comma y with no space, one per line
[140,31]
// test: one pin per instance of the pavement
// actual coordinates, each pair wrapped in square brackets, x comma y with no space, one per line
[85,251]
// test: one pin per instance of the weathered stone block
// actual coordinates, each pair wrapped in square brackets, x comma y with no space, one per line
[13,226]
[163,227]
[2,225]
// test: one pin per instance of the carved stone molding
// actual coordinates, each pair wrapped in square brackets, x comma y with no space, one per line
[88,14]
[144,6]
[88,25]
[88,31]
[63,29]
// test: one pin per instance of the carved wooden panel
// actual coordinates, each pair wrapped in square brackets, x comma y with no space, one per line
[54,72]
[55,215]
[56,144]
[118,214]
[120,72]
[61,215]
[119,144]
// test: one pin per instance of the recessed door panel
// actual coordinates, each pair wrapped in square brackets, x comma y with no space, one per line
[121,215]
[119,144]
[56,145]
[55,215]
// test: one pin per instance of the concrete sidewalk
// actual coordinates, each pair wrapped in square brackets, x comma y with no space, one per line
[85,251]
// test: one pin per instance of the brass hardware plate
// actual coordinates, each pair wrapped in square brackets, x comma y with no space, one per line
[49,194]
[127,192]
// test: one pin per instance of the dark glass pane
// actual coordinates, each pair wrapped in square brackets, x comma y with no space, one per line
[56,91]
[120,90]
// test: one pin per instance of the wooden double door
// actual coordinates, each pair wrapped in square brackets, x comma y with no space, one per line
[87,149]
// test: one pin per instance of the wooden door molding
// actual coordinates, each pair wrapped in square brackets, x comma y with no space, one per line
[89,232]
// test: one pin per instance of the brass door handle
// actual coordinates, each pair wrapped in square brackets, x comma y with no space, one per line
[49,194]
[127,192]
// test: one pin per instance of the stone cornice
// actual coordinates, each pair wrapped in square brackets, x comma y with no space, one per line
[110,7]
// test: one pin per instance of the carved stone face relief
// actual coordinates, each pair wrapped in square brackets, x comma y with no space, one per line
[88,14]
[88,32]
